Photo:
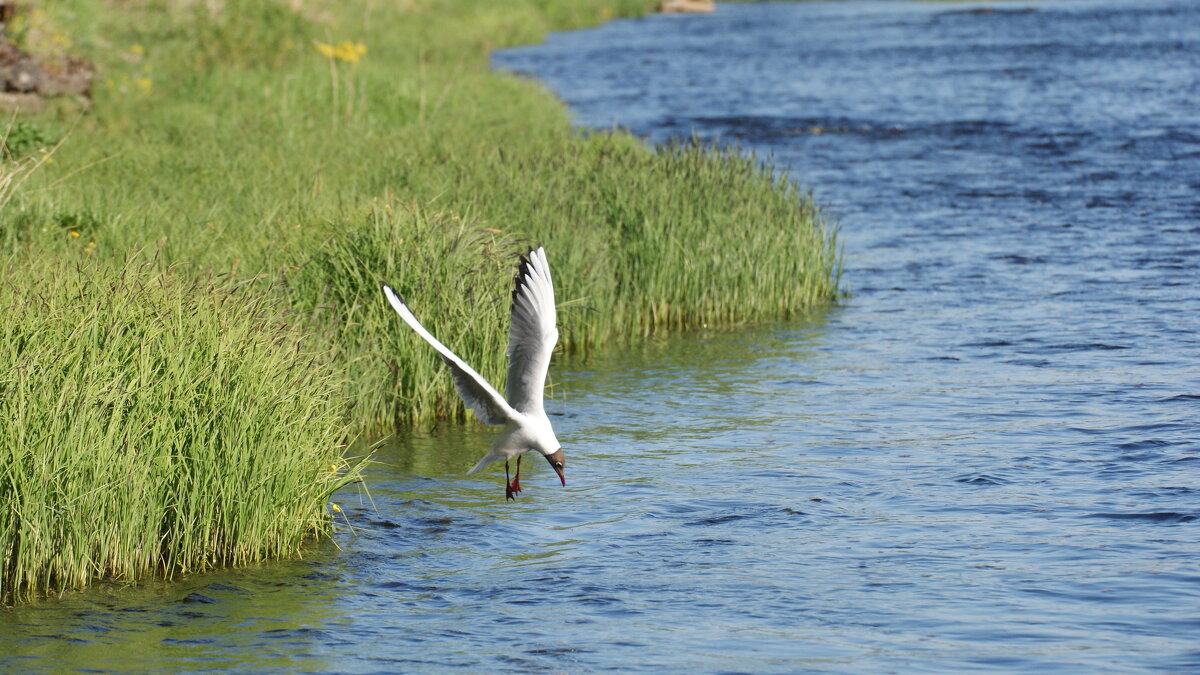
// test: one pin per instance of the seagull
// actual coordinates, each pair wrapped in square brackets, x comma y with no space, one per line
[532,335]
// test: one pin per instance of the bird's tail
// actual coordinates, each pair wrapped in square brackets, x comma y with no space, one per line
[487,459]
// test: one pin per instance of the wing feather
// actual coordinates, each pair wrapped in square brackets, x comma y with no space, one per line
[532,333]
[475,391]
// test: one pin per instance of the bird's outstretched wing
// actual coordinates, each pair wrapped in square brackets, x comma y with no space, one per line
[475,391]
[532,334]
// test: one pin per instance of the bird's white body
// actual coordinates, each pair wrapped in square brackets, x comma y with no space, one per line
[526,432]
[532,336]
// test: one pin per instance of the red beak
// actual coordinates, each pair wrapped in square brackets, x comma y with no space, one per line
[561,477]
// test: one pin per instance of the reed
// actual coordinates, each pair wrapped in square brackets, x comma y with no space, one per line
[151,423]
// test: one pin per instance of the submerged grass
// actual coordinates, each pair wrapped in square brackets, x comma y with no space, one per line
[310,150]
[154,423]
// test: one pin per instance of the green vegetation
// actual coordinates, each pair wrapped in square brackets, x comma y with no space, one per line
[638,243]
[23,138]
[155,422]
[302,152]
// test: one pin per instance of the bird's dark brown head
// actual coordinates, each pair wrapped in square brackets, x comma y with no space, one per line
[559,461]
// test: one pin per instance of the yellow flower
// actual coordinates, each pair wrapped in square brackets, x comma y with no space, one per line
[335,507]
[137,49]
[74,233]
[91,248]
[333,468]
[145,85]
[350,52]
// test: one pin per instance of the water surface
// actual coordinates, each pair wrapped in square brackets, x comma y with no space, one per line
[987,459]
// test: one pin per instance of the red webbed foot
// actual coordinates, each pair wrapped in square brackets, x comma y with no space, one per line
[512,487]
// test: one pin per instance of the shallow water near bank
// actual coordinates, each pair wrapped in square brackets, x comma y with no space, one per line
[988,458]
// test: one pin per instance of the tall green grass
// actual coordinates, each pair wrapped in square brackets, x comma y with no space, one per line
[223,139]
[454,275]
[154,423]
[638,242]
[255,152]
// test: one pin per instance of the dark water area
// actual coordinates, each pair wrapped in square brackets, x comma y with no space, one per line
[986,459]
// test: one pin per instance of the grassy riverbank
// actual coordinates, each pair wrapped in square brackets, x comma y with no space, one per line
[301,152]
[154,422]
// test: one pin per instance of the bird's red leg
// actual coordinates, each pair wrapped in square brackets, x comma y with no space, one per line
[516,482]
[508,491]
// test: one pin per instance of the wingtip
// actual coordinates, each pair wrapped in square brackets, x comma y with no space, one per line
[394,299]
[523,265]
[535,254]
[529,264]
[533,250]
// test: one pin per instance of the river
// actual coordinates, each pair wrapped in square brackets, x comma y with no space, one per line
[987,458]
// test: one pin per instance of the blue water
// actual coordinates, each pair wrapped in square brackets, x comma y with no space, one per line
[988,458]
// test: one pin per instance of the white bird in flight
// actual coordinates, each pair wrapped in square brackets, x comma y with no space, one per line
[532,335]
